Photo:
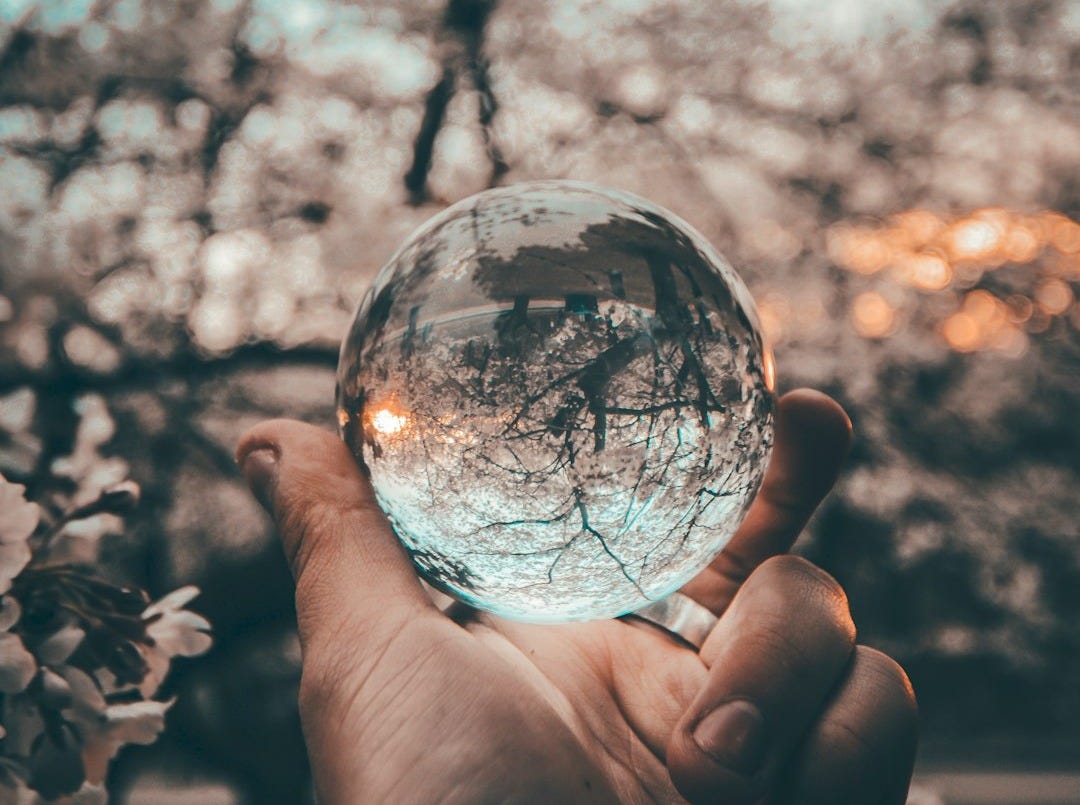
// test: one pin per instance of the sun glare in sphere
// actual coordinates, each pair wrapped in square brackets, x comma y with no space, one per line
[387,422]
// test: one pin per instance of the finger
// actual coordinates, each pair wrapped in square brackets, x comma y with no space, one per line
[348,564]
[862,750]
[811,439]
[773,659]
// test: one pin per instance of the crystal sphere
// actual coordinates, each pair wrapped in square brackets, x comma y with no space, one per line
[562,398]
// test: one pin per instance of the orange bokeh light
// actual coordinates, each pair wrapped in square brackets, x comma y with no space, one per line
[934,253]
[929,272]
[1022,244]
[974,239]
[988,238]
[982,305]
[1064,234]
[916,228]
[961,331]
[1054,296]
[872,315]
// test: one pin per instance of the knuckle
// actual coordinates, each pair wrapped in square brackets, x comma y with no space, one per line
[847,737]
[811,590]
[888,680]
[808,573]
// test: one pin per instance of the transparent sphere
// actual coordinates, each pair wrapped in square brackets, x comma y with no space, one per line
[561,395]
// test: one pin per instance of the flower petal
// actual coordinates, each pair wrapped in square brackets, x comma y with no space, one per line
[56,648]
[18,517]
[17,665]
[13,558]
[86,698]
[173,601]
[157,668]
[181,633]
[136,722]
[55,690]
[10,612]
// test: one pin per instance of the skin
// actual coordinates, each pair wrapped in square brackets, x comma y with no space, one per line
[402,702]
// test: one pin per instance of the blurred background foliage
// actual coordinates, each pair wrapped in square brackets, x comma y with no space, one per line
[194,196]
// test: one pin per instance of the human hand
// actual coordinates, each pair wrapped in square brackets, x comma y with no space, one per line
[402,702]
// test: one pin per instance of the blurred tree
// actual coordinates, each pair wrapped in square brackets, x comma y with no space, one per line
[194,196]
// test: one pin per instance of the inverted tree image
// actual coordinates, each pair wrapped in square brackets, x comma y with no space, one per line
[561,397]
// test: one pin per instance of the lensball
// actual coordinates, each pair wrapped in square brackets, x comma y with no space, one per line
[562,398]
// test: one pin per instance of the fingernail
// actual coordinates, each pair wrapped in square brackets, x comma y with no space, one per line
[734,735]
[260,468]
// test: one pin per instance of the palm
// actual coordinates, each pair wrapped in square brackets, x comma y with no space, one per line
[627,685]
[614,690]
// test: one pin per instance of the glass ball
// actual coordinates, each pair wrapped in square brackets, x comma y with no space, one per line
[562,398]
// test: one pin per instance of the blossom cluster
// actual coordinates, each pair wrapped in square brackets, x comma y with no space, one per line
[81,658]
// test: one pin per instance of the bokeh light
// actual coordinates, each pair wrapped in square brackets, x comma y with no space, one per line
[938,253]
[872,315]
[195,196]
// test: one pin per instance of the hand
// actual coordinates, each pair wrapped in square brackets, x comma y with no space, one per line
[404,703]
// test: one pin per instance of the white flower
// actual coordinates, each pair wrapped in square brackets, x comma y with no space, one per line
[18,519]
[57,647]
[176,632]
[134,723]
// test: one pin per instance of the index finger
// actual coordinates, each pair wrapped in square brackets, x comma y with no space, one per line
[812,436]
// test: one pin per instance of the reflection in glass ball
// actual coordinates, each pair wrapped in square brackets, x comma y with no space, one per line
[561,394]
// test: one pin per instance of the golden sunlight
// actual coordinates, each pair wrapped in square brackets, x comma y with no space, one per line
[936,253]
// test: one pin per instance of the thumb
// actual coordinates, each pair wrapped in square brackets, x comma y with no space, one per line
[351,571]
